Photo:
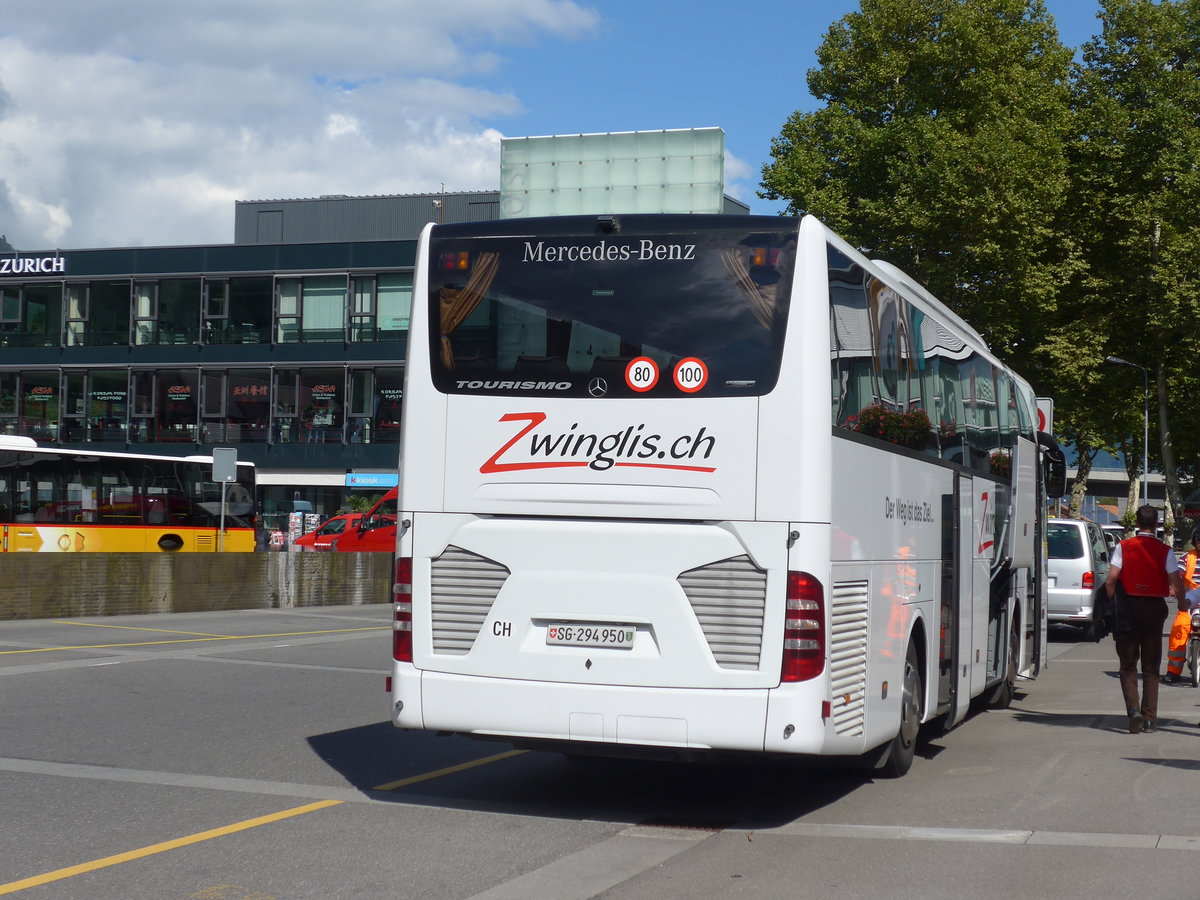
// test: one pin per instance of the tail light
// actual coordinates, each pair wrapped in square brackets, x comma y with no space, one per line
[1089,580]
[402,644]
[803,628]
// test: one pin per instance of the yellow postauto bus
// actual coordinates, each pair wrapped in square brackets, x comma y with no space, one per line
[71,501]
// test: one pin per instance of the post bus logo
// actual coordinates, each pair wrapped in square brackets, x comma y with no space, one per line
[630,447]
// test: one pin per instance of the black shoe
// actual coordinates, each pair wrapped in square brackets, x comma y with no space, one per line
[1148,725]
[1171,678]
[1135,723]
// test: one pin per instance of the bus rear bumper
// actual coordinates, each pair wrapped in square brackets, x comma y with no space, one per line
[510,709]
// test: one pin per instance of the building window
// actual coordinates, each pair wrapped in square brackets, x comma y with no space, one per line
[177,405]
[107,405]
[362,309]
[250,305]
[39,405]
[322,395]
[31,315]
[179,311]
[389,391]
[324,309]
[288,305]
[98,314]
[247,405]
[394,306]
[286,415]
[8,402]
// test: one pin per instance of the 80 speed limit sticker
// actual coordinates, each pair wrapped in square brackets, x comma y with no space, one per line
[641,374]
[690,375]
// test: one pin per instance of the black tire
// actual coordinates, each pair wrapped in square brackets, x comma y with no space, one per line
[903,747]
[1000,695]
[1193,650]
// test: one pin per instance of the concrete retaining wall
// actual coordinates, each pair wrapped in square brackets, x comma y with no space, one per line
[50,585]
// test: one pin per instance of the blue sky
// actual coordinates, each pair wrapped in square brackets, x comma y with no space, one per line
[146,134]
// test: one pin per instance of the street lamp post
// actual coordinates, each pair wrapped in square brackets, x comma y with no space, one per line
[1117,361]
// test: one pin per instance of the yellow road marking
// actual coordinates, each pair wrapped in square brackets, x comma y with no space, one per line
[134,628]
[224,637]
[70,871]
[450,770]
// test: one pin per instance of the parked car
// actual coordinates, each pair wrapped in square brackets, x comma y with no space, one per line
[1077,564]
[376,530]
[1113,535]
[322,536]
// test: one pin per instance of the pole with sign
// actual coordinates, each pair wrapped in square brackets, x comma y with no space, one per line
[224,470]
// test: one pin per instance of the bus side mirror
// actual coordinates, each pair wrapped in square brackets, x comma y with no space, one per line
[1054,467]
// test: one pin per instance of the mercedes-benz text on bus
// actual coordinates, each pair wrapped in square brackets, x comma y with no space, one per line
[683,484]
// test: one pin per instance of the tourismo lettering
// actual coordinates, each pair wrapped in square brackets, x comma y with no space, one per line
[630,447]
[32,265]
[644,250]
[514,385]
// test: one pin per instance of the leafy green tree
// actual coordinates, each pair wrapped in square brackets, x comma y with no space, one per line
[941,147]
[1133,200]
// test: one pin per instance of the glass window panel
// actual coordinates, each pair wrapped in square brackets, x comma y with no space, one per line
[322,398]
[289,296]
[39,405]
[251,302]
[107,405]
[389,390]
[216,299]
[364,296]
[10,305]
[247,405]
[214,393]
[179,310]
[395,304]
[8,393]
[287,429]
[177,404]
[109,319]
[77,302]
[324,308]
[143,393]
[43,314]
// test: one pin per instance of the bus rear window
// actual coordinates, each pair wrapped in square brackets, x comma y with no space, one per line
[610,315]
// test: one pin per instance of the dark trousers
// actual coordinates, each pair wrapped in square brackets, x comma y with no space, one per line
[1144,640]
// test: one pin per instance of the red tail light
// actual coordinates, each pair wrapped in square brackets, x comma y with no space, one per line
[1089,580]
[402,645]
[803,628]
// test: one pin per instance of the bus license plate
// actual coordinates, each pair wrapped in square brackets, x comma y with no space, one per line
[583,634]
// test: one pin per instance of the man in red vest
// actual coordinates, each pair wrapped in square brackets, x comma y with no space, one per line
[1147,571]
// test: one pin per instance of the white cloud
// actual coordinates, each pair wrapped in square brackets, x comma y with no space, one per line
[145,131]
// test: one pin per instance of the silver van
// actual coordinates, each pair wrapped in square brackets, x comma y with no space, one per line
[1077,564]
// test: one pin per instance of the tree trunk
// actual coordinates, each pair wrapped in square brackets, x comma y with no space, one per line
[1174,494]
[1079,484]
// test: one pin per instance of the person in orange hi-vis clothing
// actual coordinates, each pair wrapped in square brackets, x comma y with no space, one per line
[1182,626]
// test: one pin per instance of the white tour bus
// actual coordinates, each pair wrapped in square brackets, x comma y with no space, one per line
[685,484]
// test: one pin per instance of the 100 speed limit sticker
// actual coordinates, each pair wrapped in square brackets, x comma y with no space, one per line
[690,375]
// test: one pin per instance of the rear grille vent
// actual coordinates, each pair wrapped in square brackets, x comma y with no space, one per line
[464,587]
[728,599]
[848,655]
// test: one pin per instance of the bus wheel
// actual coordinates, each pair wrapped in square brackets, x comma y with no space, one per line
[912,700]
[1001,695]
